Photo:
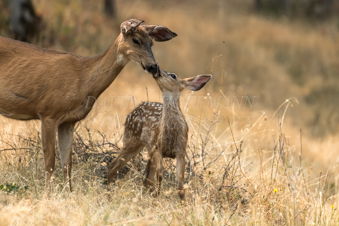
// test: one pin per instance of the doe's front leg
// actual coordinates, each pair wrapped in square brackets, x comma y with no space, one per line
[65,134]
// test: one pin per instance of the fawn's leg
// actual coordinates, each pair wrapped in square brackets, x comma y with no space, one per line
[149,138]
[160,170]
[48,133]
[181,174]
[151,169]
[65,135]
[129,151]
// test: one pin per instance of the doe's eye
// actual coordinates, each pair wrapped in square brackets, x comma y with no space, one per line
[173,76]
[135,41]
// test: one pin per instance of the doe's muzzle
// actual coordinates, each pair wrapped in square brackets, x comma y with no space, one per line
[153,69]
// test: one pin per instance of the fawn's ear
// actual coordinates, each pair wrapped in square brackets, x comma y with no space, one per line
[197,82]
[130,25]
[159,33]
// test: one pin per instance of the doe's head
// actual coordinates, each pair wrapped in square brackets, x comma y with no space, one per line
[170,82]
[137,40]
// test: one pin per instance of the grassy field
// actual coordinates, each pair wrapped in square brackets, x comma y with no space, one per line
[263,138]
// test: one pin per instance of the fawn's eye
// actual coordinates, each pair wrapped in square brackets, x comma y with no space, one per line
[135,41]
[173,76]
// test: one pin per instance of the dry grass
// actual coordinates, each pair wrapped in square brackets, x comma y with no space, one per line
[256,173]
[231,182]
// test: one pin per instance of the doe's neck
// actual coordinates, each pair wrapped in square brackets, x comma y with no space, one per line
[104,68]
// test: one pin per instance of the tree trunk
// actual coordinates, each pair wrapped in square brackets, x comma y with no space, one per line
[109,8]
[24,22]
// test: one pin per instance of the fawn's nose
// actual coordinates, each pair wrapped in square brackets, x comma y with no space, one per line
[153,69]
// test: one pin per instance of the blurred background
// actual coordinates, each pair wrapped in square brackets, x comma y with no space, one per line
[260,53]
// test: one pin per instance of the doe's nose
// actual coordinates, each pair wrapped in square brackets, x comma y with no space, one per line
[153,69]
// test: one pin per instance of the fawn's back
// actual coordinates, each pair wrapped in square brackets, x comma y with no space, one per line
[146,116]
[149,124]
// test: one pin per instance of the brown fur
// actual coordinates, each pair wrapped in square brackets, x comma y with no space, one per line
[59,88]
[161,128]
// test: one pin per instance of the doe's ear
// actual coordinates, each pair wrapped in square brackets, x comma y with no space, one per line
[197,82]
[159,33]
[129,25]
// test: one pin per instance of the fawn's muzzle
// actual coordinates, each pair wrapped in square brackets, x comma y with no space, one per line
[157,74]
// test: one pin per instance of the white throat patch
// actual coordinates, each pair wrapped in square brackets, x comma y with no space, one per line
[121,59]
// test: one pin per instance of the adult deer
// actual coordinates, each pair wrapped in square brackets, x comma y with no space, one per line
[161,128]
[58,87]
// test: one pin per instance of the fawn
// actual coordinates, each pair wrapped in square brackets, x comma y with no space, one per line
[161,128]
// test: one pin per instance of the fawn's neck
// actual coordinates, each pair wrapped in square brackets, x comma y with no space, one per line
[173,127]
[171,103]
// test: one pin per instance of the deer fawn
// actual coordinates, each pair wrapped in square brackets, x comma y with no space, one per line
[161,128]
[59,88]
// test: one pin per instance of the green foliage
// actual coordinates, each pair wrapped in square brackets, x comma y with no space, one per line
[12,187]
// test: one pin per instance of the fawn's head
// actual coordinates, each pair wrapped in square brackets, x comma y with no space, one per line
[137,40]
[170,83]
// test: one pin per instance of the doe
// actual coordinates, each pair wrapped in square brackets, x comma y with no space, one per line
[59,88]
[161,128]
